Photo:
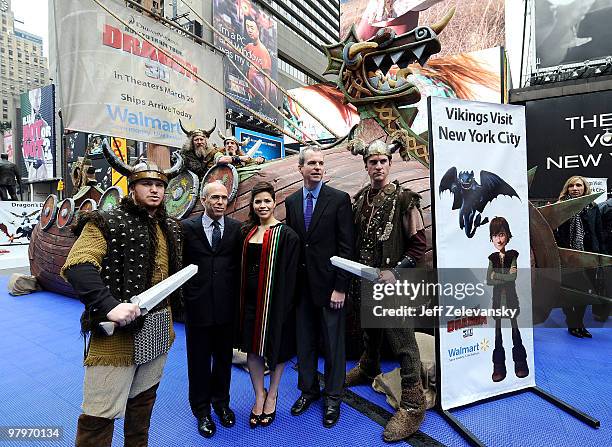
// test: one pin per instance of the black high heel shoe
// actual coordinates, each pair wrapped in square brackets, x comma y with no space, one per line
[267,418]
[255,419]
[585,333]
[575,332]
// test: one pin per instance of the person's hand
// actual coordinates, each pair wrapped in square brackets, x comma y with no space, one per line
[492,275]
[124,313]
[512,269]
[387,277]
[259,160]
[337,300]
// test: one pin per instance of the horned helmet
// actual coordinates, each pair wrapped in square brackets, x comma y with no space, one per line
[230,137]
[400,141]
[196,132]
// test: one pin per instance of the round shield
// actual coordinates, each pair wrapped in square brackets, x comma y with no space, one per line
[225,174]
[49,212]
[110,199]
[65,212]
[182,194]
[88,205]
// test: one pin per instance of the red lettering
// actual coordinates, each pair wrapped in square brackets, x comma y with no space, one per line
[111,36]
[131,45]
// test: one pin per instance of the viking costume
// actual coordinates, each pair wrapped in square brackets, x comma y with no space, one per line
[245,168]
[199,164]
[267,295]
[118,254]
[504,295]
[389,235]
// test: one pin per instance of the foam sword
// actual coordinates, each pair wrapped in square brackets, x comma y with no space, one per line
[356,268]
[150,298]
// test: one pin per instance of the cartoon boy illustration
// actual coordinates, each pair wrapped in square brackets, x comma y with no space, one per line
[501,274]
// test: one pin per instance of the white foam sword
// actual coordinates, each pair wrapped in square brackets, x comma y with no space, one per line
[356,268]
[150,298]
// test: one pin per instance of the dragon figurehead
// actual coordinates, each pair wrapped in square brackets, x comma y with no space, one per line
[364,67]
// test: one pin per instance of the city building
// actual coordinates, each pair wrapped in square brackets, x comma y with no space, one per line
[22,64]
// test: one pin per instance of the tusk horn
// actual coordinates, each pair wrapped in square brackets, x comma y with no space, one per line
[176,168]
[439,27]
[116,163]
[358,47]
[209,133]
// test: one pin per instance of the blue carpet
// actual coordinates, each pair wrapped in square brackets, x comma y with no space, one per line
[41,377]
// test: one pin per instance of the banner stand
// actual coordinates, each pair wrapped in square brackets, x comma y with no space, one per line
[465,433]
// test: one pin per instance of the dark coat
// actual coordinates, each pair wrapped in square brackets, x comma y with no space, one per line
[211,296]
[594,240]
[605,209]
[330,234]
[8,173]
[280,318]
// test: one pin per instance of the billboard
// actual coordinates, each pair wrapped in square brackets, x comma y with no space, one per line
[135,81]
[476,24]
[38,134]
[482,145]
[271,146]
[566,136]
[570,31]
[254,32]
[8,145]
[327,101]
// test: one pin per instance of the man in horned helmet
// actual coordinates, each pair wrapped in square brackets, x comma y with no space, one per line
[197,154]
[233,153]
[390,235]
[118,254]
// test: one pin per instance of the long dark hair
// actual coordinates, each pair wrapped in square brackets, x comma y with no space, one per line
[253,219]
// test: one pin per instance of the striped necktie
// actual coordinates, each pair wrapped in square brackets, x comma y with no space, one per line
[308,211]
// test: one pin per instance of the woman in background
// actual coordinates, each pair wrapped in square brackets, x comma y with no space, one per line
[584,232]
[267,306]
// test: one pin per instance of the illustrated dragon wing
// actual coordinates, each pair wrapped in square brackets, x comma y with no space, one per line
[450,183]
[492,186]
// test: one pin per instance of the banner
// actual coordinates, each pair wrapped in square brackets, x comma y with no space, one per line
[8,145]
[271,146]
[566,136]
[570,31]
[38,137]
[250,28]
[121,85]
[479,176]
[17,220]
[119,147]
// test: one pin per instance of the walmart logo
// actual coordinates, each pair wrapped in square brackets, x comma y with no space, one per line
[469,350]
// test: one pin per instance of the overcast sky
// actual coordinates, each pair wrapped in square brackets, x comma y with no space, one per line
[34,15]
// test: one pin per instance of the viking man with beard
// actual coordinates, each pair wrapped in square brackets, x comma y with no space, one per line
[390,235]
[197,154]
[233,154]
[119,254]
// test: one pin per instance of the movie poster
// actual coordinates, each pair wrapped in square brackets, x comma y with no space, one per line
[330,109]
[571,31]
[252,30]
[271,146]
[38,140]
[481,221]
[476,24]
[8,145]
[17,221]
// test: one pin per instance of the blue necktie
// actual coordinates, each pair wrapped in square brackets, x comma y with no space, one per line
[308,211]
[216,235]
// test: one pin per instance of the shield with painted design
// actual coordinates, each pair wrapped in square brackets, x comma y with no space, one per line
[88,205]
[49,212]
[65,212]
[225,174]
[110,199]
[182,194]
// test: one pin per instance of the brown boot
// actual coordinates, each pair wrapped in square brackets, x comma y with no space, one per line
[362,374]
[138,418]
[407,420]
[93,431]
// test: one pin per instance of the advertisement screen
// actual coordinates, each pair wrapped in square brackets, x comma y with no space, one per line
[254,32]
[271,146]
[570,31]
[38,141]
[566,136]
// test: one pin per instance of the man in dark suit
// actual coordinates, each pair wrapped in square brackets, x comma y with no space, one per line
[212,242]
[322,217]
[8,174]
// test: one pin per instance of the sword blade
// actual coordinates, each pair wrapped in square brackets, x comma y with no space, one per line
[150,298]
[356,268]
